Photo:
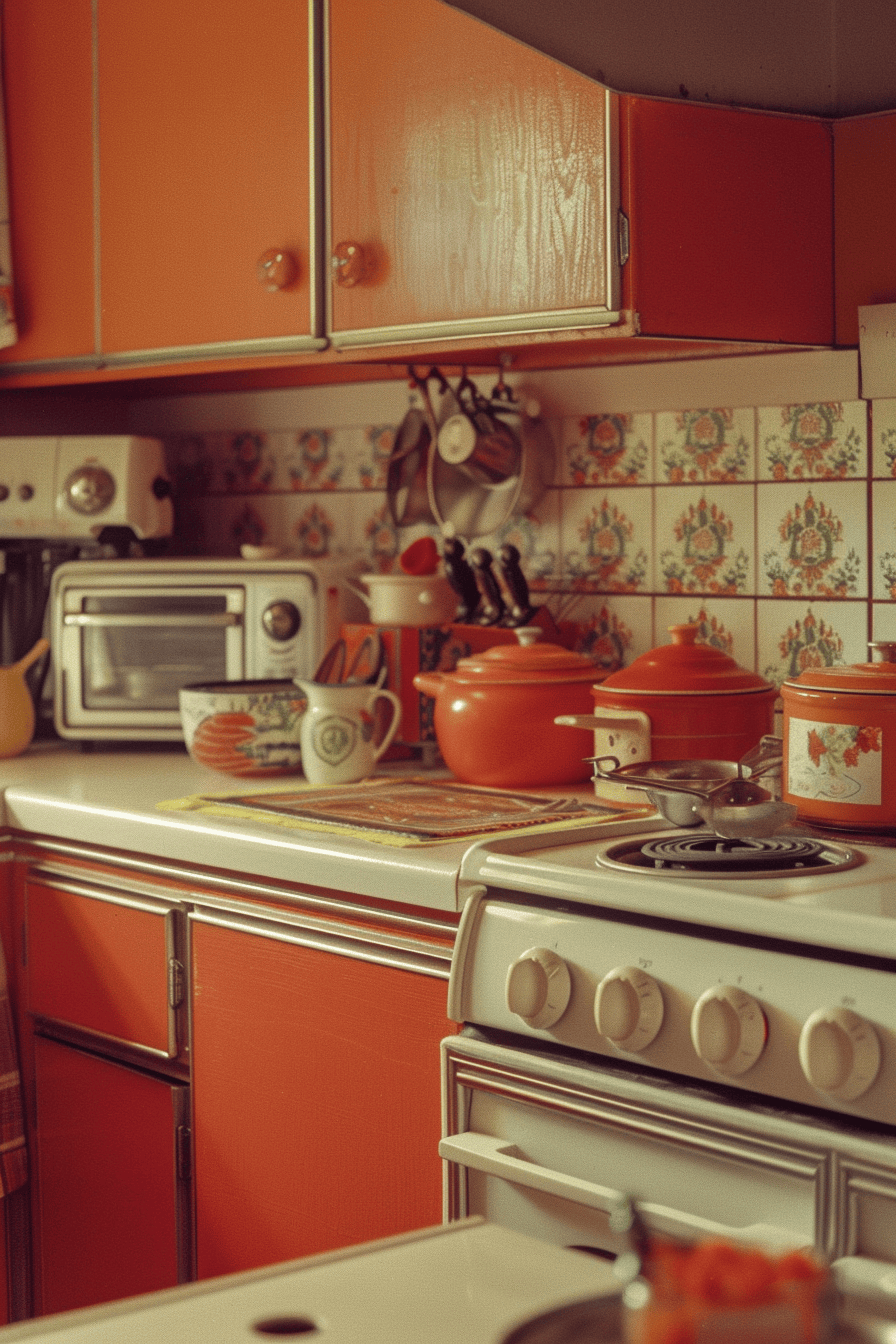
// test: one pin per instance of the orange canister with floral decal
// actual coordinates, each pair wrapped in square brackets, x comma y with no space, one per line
[840,743]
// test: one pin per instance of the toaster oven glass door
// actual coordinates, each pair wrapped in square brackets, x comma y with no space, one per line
[138,649]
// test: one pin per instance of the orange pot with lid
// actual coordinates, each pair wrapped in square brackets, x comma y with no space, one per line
[494,714]
[680,701]
[840,743]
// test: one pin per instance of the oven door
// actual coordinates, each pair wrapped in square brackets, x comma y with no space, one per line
[545,1144]
[120,657]
[547,1147]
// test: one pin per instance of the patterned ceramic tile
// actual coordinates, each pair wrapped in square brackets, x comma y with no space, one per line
[883,620]
[611,630]
[608,449]
[314,528]
[793,636]
[704,540]
[725,623]
[811,539]
[605,538]
[536,535]
[372,527]
[821,441]
[883,438]
[312,459]
[883,533]
[245,462]
[705,445]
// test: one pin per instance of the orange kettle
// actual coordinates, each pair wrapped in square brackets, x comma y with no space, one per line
[16,705]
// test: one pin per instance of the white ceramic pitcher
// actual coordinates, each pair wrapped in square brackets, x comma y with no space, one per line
[338,730]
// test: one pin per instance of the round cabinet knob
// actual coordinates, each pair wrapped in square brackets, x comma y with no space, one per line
[281,620]
[839,1052]
[538,987]
[628,1008]
[348,264]
[25,493]
[728,1029]
[276,269]
[89,489]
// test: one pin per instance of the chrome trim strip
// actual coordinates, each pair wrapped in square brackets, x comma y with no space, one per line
[612,200]
[317,232]
[524,324]
[181,354]
[97,228]
[115,1048]
[79,885]
[196,884]
[343,941]
[127,619]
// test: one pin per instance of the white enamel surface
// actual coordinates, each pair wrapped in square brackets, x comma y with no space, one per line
[464,1283]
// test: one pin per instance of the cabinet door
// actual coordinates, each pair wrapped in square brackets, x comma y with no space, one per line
[730,216]
[110,1197]
[316,1114]
[105,964]
[204,168]
[48,80]
[472,172]
[864,202]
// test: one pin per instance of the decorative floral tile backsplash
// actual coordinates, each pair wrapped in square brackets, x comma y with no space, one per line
[773,527]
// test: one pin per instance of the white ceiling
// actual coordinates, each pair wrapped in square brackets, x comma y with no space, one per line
[828,58]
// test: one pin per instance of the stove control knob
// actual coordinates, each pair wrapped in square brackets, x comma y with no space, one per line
[538,987]
[839,1053]
[628,1008]
[728,1029]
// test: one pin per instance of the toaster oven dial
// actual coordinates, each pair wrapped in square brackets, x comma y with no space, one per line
[89,489]
[839,1053]
[281,620]
[538,987]
[728,1029]
[628,1008]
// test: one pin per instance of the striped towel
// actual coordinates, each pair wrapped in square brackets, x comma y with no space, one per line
[13,1157]
[8,330]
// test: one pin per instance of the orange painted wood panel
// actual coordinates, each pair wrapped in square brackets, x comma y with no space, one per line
[98,964]
[47,70]
[316,1112]
[731,231]
[106,1179]
[864,215]
[204,165]
[470,168]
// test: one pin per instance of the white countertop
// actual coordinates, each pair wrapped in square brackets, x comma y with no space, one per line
[110,798]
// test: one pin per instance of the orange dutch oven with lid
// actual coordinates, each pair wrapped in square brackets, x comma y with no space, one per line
[682,701]
[840,743]
[494,714]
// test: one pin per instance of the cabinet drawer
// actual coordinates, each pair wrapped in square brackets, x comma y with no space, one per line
[104,962]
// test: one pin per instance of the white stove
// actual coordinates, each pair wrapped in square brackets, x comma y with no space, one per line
[719,1045]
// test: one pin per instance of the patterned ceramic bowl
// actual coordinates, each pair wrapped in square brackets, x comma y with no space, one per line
[249,728]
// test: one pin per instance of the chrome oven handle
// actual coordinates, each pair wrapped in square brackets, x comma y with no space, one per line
[498,1157]
[97,619]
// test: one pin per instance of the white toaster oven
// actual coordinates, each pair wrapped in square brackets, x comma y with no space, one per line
[127,634]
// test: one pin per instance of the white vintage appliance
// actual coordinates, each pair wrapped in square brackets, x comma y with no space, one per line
[127,634]
[717,1042]
[75,487]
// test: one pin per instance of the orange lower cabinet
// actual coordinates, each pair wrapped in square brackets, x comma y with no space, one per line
[112,1198]
[316,1095]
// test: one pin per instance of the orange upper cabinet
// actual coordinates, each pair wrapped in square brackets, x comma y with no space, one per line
[48,74]
[471,180]
[730,216]
[205,232]
[864,205]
